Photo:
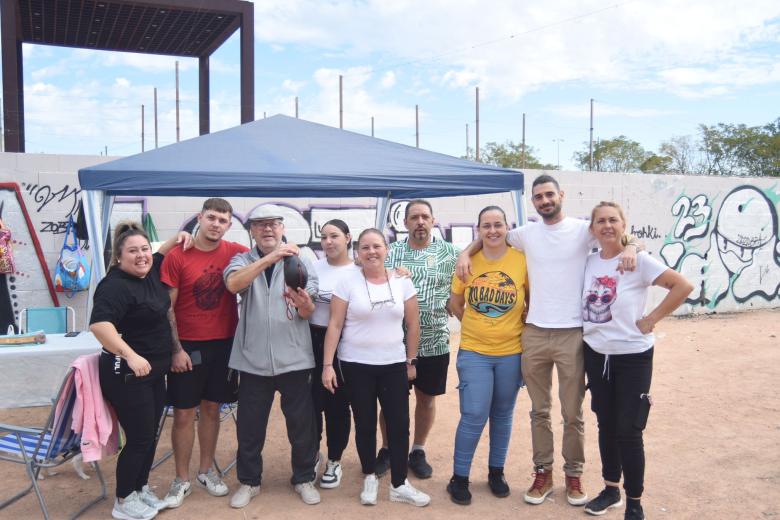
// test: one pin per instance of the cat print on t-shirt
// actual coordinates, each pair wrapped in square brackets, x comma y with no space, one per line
[598,300]
[492,294]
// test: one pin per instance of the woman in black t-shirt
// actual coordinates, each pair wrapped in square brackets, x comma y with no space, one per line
[130,319]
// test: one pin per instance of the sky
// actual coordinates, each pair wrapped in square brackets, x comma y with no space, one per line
[655,69]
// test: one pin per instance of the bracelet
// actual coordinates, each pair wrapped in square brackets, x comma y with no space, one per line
[327,365]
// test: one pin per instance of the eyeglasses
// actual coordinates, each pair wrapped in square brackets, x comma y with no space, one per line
[262,224]
[378,305]
[604,298]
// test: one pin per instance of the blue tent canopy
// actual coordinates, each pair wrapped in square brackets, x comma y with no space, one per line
[287,157]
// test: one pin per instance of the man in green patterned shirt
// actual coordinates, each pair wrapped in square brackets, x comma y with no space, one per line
[432,264]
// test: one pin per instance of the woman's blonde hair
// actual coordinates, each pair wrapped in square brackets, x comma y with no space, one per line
[124,230]
[609,204]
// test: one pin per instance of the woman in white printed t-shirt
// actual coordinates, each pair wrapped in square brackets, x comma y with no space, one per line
[335,240]
[367,315]
[619,354]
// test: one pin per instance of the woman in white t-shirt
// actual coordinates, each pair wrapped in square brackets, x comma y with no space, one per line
[368,311]
[619,354]
[335,239]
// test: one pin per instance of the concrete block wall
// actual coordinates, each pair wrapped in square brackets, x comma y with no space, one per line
[722,233]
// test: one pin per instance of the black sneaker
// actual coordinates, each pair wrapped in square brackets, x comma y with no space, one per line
[608,498]
[382,462]
[497,482]
[634,512]
[458,488]
[419,465]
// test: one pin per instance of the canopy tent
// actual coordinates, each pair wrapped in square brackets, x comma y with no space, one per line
[285,157]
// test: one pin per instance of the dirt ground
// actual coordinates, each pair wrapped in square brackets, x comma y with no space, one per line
[712,443]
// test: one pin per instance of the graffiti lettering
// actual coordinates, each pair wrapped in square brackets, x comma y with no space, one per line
[56,228]
[43,195]
[645,232]
[741,260]
[694,217]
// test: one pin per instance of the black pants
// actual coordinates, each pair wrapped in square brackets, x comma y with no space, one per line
[335,407]
[389,384]
[619,397]
[139,405]
[255,397]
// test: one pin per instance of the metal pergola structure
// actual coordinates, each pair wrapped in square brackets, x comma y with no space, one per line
[186,28]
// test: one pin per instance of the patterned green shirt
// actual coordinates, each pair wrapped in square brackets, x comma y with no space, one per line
[432,269]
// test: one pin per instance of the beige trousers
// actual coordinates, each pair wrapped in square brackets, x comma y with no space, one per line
[543,348]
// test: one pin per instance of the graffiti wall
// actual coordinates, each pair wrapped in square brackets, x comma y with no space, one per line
[721,233]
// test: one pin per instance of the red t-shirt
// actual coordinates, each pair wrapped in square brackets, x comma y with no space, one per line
[205,310]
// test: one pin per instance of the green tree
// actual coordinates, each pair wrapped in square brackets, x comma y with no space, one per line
[740,149]
[510,155]
[619,154]
[656,164]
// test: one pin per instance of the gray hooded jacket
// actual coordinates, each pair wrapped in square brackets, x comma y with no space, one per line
[267,342]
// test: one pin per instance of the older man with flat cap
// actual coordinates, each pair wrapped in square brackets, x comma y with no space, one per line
[272,352]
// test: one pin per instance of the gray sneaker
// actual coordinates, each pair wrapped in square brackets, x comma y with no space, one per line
[243,495]
[213,483]
[148,497]
[308,492]
[132,508]
[179,489]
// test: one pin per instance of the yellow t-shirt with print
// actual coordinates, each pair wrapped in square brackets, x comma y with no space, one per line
[495,300]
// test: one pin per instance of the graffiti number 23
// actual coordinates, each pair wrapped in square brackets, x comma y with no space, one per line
[693,217]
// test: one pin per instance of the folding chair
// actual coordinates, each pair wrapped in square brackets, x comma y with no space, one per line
[47,447]
[51,320]
[226,411]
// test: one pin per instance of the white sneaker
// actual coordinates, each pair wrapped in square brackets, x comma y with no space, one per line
[332,476]
[213,483]
[370,490]
[409,494]
[179,489]
[148,497]
[243,495]
[132,508]
[308,492]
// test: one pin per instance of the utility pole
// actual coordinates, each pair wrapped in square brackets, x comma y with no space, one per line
[178,131]
[417,124]
[522,164]
[264,115]
[341,101]
[590,146]
[372,126]
[296,107]
[155,117]
[142,128]
[467,140]
[558,143]
[106,150]
[476,147]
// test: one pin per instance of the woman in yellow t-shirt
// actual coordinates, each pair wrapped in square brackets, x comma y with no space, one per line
[490,307]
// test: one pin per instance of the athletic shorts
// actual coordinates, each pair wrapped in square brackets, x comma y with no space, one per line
[432,374]
[209,380]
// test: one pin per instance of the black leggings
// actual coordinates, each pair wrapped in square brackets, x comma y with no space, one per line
[389,384]
[335,407]
[619,396]
[139,405]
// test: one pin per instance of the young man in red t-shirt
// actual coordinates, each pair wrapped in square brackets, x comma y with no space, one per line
[205,318]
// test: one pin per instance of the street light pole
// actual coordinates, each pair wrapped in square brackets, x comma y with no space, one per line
[558,146]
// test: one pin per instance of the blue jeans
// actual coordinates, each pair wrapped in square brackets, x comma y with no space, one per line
[488,389]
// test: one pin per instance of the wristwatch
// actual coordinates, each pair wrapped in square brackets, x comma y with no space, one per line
[412,362]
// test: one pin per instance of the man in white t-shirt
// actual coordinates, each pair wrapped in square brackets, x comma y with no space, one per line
[556,250]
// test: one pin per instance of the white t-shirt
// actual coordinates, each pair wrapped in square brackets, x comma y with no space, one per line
[328,276]
[373,337]
[613,302]
[556,256]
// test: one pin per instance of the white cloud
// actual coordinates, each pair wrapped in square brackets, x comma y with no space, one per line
[388,79]
[293,86]
[512,48]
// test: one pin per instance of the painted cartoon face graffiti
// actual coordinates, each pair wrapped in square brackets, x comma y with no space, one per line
[598,300]
[743,258]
